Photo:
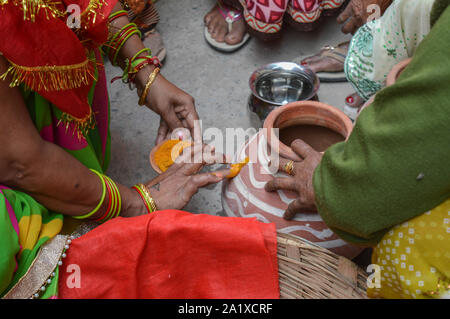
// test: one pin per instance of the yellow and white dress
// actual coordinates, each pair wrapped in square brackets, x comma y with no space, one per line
[414,258]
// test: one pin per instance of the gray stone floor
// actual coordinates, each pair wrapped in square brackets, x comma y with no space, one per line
[217,81]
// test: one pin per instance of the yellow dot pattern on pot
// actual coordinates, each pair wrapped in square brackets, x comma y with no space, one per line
[414,257]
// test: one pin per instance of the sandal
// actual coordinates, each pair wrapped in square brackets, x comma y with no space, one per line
[339,54]
[146,20]
[230,15]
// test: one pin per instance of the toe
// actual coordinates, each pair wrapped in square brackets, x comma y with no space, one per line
[354,100]
[220,35]
[237,33]
[209,16]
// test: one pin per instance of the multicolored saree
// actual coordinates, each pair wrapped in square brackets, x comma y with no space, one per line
[25,224]
[64,88]
[267,16]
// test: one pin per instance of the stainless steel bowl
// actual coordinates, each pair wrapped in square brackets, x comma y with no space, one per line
[277,84]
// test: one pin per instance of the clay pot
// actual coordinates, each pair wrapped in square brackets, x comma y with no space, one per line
[390,79]
[308,112]
[396,71]
[244,196]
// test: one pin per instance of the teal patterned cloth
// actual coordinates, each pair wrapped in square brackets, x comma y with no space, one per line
[380,44]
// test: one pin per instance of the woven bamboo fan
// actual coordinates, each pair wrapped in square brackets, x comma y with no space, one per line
[307,271]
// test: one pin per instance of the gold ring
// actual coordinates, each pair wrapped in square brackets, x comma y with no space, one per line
[289,167]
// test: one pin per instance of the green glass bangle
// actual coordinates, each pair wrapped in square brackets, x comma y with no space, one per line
[118,198]
[139,190]
[131,67]
[113,201]
[113,39]
[101,200]
[135,31]
[112,15]
[140,52]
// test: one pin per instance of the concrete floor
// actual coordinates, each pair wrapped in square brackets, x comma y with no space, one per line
[217,81]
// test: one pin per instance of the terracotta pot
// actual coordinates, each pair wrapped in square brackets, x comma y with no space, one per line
[244,196]
[396,71]
[391,79]
[306,112]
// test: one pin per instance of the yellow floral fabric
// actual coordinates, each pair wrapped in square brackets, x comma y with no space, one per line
[414,258]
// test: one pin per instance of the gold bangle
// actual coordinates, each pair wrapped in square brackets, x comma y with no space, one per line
[150,81]
[148,197]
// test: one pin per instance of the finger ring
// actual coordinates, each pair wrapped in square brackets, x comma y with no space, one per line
[289,167]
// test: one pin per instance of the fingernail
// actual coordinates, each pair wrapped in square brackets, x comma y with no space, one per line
[304,63]
[219,175]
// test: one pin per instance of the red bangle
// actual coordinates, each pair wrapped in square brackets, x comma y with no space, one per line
[109,202]
[142,197]
[117,16]
[140,66]
[123,33]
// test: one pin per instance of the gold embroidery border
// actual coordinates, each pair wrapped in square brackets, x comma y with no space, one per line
[40,270]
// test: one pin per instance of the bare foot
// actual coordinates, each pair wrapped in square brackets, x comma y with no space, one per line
[218,27]
[321,63]
[354,100]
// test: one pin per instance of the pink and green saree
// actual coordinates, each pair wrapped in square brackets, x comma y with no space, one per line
[25,224]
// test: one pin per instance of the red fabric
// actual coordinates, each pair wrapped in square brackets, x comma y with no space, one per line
[49,41]
[174,254]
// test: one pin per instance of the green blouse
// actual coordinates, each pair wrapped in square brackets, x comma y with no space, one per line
[396,163]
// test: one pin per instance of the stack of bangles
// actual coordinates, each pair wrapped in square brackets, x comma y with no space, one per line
[132,66]
[146,197]
[114,203]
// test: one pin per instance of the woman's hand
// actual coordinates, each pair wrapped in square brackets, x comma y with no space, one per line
[358,12]
[301,181]
[176,107]
[174,188]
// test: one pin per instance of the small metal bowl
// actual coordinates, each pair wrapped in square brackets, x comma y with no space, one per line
[277,84]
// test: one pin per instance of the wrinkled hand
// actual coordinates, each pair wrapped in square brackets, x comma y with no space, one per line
[358,12]
[175,107]
[174,188]
[301,181]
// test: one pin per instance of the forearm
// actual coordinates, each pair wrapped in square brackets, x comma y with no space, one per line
[129,49]
[62,184]
[44,170]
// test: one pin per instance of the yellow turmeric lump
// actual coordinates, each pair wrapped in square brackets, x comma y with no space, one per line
[236,168]
[168,152]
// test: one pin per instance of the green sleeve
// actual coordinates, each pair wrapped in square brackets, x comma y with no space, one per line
[396,163]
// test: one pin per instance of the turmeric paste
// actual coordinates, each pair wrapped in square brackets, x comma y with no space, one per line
[236,168]
[163,155]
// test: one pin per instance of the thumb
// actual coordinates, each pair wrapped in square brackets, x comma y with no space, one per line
[296,207]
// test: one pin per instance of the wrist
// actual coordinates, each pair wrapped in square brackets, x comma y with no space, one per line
[142,77]
[146,197]
[133,205]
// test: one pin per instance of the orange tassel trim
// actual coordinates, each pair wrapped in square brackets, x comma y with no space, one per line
[31,8]
[89,15]
[53,8]
[81,126]
[50,78]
